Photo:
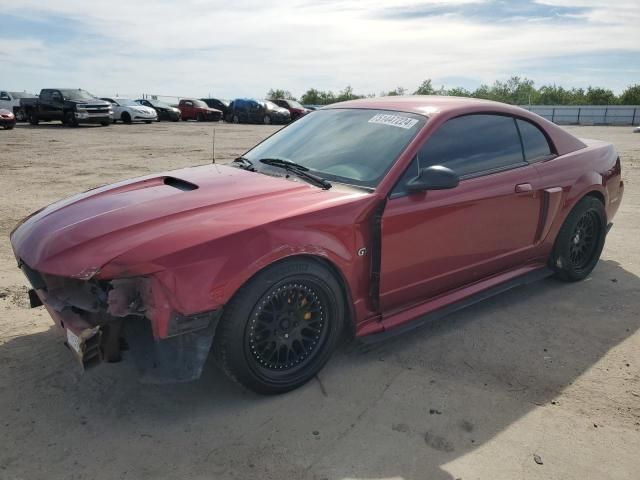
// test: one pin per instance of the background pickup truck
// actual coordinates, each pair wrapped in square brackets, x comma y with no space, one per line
[71,106]
[11,101]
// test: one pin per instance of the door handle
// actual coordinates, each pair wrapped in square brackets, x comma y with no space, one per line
[524,188]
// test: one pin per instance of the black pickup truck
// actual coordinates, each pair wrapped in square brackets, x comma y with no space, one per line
[69,105]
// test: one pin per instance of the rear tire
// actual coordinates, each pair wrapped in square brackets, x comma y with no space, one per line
[580,241]
[281,327]
[33,118]
[126,118]
[266,120]
[236,119]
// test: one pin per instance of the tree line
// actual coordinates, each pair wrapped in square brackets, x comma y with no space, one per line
[515,90]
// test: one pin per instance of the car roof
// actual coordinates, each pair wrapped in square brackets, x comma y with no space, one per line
[436,105]
[421,104]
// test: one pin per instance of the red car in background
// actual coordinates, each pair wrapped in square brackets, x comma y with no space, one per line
[370,216]
[7,119]
[295,108]
[193,109]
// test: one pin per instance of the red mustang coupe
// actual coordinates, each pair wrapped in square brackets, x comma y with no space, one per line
[370,216]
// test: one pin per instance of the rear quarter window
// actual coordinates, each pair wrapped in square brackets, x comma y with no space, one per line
[535,143]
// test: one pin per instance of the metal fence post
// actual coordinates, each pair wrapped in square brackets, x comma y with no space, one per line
[579,108]
[553,115]
[606,110]
[633,120]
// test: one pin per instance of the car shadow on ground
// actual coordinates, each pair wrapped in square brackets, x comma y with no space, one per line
[400,409]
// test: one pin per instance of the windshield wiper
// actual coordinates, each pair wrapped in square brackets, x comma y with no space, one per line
[299,170]
[245,163]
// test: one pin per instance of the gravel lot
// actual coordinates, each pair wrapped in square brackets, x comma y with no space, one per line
[548,370]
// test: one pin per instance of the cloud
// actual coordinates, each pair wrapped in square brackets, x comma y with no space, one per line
[197,47]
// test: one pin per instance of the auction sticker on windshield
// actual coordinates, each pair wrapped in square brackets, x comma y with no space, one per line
[393,120]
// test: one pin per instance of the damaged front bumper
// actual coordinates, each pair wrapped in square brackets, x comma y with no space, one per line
[104,320]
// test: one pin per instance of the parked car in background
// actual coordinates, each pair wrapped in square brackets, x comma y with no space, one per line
[130,111]
[193,109]
[11,101]
[164,110]
[248,110]
[7,119]
[71,106]
[296,110]
[218,104]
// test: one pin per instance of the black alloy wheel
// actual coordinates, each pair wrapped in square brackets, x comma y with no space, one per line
[281,327]
[580,241]
[584,240]
[287,328]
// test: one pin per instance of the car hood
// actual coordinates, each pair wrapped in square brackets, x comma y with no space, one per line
[140,108]
[163,213]
[281,111]
[95,101]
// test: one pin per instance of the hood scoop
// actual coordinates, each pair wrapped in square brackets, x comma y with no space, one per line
[179,184]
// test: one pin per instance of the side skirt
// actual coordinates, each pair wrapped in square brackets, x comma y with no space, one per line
[434,313]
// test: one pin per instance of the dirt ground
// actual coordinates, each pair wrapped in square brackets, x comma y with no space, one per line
[548,370]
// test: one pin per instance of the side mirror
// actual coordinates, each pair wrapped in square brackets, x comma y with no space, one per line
[435,177]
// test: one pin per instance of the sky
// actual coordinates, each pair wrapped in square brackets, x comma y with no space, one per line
[245,47]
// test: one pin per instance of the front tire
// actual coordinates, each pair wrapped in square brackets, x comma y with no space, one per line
[266,120]
[281,327]
[580,241]
[33,118]
[126,118]
[70,120]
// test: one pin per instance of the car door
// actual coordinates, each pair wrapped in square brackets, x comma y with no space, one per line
[439,240]
[187,110]
[256,112]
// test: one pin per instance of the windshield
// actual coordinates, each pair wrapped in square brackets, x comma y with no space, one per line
[157,103]
[294,104]
[125,102]
[199,103]
[351,146]
[21,95]
[271,105]
[77,94]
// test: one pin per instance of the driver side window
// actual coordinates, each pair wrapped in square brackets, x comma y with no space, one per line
[471,145]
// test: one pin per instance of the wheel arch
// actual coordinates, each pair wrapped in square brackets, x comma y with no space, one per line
[327,263]
[595,194]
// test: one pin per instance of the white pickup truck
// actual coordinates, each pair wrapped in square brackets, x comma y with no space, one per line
[11,101]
